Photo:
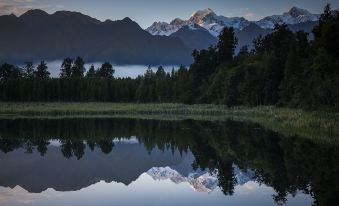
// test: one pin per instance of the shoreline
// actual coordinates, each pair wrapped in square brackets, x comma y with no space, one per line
[319,125]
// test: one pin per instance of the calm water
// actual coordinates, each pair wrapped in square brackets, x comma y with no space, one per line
[143,162]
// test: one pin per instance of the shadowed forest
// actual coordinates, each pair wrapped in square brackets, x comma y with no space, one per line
[283,68]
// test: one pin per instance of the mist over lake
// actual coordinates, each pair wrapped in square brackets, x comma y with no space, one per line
[120,70]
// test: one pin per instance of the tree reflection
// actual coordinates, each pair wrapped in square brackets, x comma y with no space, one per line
[287,164]
[106,146]
[9,145]
[42,146]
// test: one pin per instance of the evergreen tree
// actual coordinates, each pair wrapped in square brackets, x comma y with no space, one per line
[42,72]
[161,84]
[91,73]
[185,90]
[28,70]
[146,89]
[8,71]
[327,32]
[106,71]
[226,45]
[78,68]
[66,68]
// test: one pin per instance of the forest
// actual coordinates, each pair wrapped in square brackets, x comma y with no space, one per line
[283,68]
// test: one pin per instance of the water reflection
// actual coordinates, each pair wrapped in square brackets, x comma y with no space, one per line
[201,162]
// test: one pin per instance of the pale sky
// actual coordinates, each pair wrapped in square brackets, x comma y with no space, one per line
[145,12]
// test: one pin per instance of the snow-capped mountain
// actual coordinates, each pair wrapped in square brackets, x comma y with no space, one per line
[243,176]
[200,180]
[214,23]
[162,28]
[293,16]
[205,18]
[166,29]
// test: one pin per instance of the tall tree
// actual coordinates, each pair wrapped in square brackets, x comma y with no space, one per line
[66,68]
[226,45]
[106,71]
[146,89]
[91,73]
[8,71]
[42,72]
[326,34]
[28,70]
[78,68]
[161,84]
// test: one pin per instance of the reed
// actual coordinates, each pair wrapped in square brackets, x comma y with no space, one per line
[320,125]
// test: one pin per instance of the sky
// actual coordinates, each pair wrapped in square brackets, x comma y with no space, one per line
[145,12]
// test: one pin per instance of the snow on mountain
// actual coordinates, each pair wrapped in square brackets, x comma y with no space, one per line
[199,180]
[243,176]
[164,173]
[209,20]
[162,29]
[293,16]
[204,18]
[214,24]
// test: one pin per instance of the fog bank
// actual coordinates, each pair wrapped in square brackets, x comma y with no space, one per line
[120,70]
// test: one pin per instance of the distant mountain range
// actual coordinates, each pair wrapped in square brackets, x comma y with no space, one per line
[214,24]
[200,180]
[204,26]
[37,35]
[125,164]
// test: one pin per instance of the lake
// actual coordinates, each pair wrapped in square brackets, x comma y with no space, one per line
[123,161]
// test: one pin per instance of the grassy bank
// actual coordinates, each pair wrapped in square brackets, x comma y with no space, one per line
[318,125]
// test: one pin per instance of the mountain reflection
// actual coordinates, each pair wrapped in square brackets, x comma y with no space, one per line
[71,154]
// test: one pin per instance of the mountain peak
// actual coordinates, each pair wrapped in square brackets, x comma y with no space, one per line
[203,13]
[68,13]
[75,16]
[295,12]
[205,18]
[177,21]
[34,12]
[127,19]
[294,16]
[163,28]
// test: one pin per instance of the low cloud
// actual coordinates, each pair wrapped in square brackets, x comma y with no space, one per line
[19,7]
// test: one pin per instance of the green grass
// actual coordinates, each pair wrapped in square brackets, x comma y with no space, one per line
[318,125]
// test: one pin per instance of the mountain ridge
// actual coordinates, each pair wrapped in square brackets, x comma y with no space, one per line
[37,35]
[71,34]
[214,23]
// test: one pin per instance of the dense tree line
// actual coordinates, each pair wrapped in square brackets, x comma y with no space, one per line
[283,68]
